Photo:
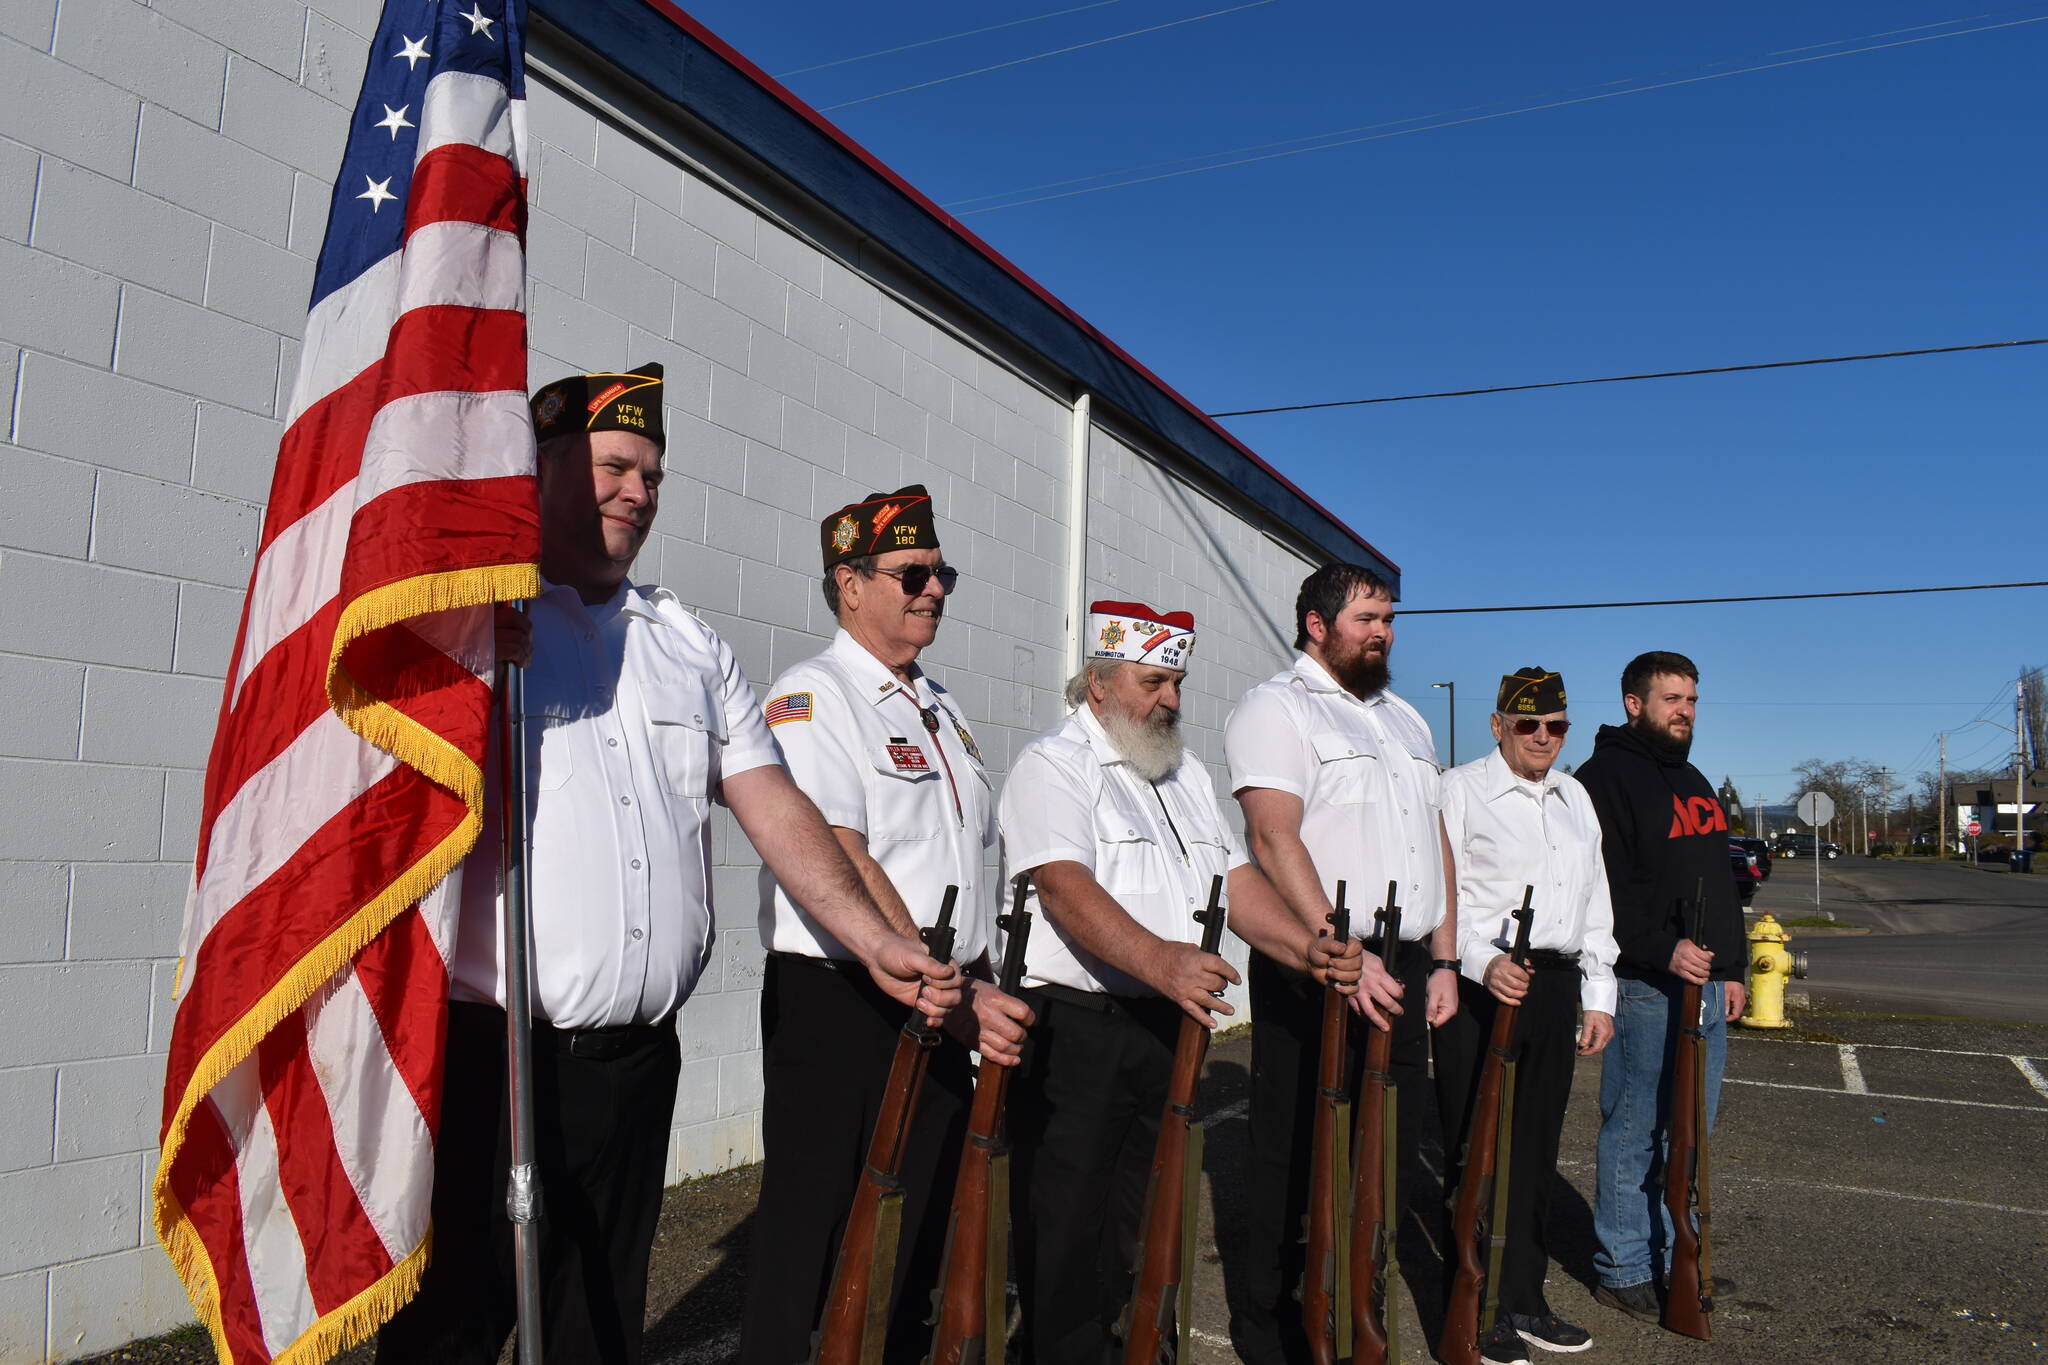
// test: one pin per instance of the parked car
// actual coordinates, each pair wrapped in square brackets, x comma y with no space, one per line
[1747,879]
[1802,846]
[1759,850]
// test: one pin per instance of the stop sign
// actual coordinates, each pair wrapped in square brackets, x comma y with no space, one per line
[1975,829]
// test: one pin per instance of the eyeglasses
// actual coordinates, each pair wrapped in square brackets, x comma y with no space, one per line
[915,578]
[1525,726]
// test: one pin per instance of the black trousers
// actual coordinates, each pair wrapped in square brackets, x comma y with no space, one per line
[1265,1313]
[603,1101]
[828,1035]
[1545,1053]
[1084,1113]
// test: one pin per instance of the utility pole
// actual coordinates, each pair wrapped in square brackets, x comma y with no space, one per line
[1884,802]
[1941,803]
[2019,765]
[1453,687]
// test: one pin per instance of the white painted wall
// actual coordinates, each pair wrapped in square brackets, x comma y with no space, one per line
[161,202]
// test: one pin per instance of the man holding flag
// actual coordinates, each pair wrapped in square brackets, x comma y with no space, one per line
[304,1086]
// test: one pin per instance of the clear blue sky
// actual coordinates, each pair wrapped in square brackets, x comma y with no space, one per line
[1877,201]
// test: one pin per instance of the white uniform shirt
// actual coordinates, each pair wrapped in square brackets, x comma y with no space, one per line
[857,740]
[1153,846]
[1369,784]
[1508,833]
[635,712]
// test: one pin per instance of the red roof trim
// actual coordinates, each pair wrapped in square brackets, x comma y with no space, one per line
[675,15]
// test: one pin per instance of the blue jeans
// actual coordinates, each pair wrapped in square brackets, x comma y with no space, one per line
[1628,1209]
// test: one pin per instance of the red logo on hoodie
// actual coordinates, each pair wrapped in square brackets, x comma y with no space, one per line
[1699,815]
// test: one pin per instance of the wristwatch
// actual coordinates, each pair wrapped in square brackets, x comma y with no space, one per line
[1446,964]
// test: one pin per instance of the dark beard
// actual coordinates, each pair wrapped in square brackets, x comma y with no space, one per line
[1662,742]
[1363,674]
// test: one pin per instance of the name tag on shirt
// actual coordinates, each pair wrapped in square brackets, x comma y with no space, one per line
[909,758]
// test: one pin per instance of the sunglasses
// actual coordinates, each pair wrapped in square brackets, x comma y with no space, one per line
[918,576]
[1523,725]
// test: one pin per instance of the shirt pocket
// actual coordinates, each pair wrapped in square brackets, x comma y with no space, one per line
[684,726]
[1346,773]
[1429,781]
[550,747]
[1127,858]
[898,793]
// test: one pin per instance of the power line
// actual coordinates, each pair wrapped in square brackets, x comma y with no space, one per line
[947,38]
[1041,56]
[1703,601]
[1366,135]
[1628,378]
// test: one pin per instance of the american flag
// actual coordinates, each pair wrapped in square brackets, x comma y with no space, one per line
[346,783]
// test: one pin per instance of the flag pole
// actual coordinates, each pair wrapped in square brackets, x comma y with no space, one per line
[522,1189]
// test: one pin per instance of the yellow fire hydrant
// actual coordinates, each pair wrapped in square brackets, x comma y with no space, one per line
[1771,965]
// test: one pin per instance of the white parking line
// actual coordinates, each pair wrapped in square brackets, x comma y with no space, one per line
[2033,1075]
[1721,1177]
[1880,1095]
[1852,1071]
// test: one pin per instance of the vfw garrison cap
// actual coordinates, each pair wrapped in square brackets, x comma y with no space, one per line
[1134,633]
[1531,692]
[879,523]
[627,401]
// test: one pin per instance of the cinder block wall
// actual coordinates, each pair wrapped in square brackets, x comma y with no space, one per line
[162,195]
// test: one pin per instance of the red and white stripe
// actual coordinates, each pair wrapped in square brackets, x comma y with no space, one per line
[300,1109]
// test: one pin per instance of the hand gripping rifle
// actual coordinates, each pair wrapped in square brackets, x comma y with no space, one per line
[1375,1199]
[973,1308]
[1325,1315]
[856,1321]
[1482,1209]
[1690,1295]
[1157,1322]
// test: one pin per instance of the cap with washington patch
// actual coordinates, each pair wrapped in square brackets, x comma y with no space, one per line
[628,401]
[879,523]
[1134,633]
[1531,692]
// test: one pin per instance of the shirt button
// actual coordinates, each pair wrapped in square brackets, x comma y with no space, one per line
[625,800]
[696,720]
[613,743]
[636,864]
[637,934]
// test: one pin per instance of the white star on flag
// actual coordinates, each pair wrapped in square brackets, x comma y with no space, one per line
[379,191]
[413,53]
[394,119]
[477,22]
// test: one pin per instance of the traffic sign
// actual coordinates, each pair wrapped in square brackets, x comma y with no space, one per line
[1816,808]
[1975,829]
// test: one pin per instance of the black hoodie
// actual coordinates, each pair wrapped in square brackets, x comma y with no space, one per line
[1664,835]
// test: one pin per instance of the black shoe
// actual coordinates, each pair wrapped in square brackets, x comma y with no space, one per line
[1503,1346]
[1549,1332]
[1637,1300]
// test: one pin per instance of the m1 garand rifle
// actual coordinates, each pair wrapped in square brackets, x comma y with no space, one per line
[1482,1207]
[973,1311]
[1375,1197]
[1325,1283]
[1161,1311]
[856,1321]
[1689,1295]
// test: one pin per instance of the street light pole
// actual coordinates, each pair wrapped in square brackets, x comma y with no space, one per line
[1454,720]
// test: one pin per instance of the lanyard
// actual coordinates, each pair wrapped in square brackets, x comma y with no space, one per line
[930,716]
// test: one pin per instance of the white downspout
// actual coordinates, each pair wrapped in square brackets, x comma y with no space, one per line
[1077,535]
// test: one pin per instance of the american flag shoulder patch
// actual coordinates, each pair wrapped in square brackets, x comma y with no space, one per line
[788,706]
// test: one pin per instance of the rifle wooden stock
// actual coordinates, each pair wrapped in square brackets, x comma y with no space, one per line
[1323,1312]
[1375,1200]
[1155,1298]
[1482,1184]
[1688,1297]
[856,1320]
[973,1310]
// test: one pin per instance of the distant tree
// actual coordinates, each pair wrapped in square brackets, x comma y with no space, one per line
[1731,801]
[2036,714]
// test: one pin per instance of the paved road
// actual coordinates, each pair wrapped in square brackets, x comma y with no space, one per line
[1947,939]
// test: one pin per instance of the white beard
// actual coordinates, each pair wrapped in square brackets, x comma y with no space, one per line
[1152,750]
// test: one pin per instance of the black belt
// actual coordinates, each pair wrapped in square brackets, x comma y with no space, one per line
[1552,960]
[601,1044]
[1406,951]
[1101,1002]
